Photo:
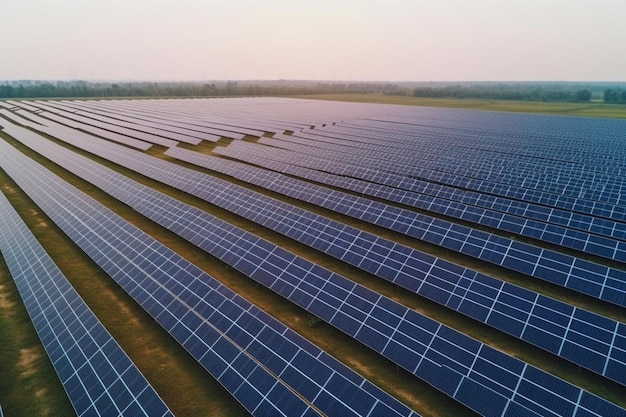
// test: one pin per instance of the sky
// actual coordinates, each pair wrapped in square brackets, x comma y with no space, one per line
[342,40]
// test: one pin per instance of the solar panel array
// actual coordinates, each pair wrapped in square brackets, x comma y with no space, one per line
[97,375]
[474,195]
[575,231]
[265,365]
[476,295]
[509,308]
[363,300]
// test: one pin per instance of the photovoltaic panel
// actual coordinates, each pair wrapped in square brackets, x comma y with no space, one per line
[97,375]
[211,328]
[424,274]
[345,321]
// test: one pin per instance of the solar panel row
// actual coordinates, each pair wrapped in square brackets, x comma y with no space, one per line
[486,165]
[96,374]
[172,133]
[143,142]
[219,315]
[512,309]
[492,162]
[587,277]
[17,119]
[589,243]
[178,115]
[459,288]
[429,193]
[43,124]
[181,123]
[110,241]
[538,140]
[411,182]
[280,263]
[247,112]
[129,137]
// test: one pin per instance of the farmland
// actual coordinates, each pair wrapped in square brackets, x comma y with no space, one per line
[254,255]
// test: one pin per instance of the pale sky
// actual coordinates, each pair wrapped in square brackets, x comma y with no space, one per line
[386,40]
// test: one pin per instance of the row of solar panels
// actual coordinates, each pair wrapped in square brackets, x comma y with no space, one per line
[425,170]
[581,275]
[486,162]
[160,205]
[180,115]
[600,237]
[588,277]
[158,126]
[380,172]
[265,365]
[425,194]
[97,375]
[302,142]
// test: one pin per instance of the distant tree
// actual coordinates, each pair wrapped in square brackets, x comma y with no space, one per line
[612,95]
[231,87]
[583,95]
[7,91]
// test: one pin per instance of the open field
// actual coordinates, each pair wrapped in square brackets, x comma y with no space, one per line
[187,388]
[593,109]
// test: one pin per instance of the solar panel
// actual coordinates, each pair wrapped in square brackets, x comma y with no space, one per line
[210,330]
[96,373]
[349,320]
[484,298]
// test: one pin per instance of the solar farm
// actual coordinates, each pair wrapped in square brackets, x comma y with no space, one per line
[477,257]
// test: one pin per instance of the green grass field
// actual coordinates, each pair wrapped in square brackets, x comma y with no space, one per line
[592,109]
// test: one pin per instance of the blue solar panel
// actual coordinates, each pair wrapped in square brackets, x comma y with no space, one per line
[218,337]
[95,372]
[601,246]
[475,294]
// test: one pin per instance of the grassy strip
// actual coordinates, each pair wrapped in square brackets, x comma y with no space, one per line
[591,109]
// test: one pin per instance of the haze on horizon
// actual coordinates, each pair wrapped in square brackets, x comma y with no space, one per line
[347,40]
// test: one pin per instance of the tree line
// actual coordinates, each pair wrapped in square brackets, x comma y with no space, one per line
[615,95]
[559,92]
[525,91]
[73,89]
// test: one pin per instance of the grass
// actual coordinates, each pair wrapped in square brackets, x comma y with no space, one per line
[591,109]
